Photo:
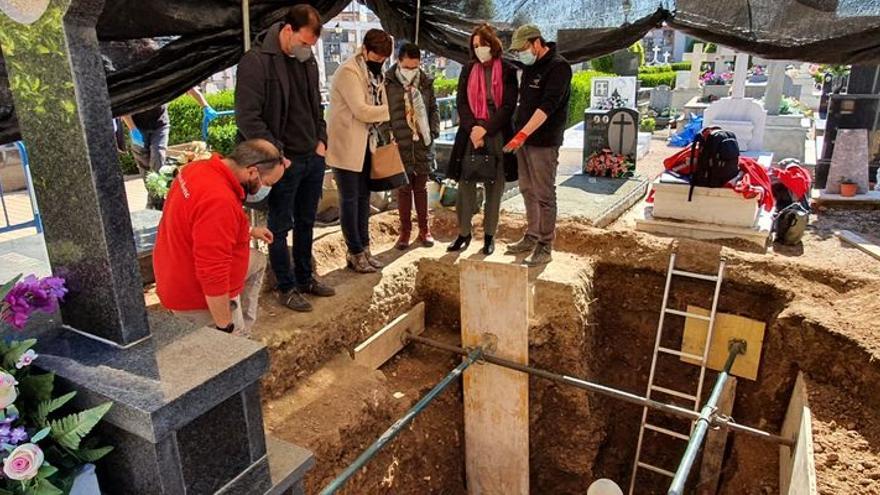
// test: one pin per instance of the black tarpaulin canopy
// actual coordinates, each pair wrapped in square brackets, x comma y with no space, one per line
[155,50]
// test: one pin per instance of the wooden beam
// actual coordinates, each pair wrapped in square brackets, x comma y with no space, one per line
[716,442]
[495,308]
[384,344]
[797,469]
[727,327]
[860,242]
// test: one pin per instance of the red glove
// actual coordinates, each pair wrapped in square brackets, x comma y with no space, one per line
[516,143]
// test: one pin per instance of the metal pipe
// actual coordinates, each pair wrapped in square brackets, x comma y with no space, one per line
[702,426]
[418,18]
[715,420]
[246,23]
[394,430]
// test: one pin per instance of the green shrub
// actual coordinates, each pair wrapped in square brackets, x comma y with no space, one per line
[651,80]
[221,137]
[647,124]
[445,86]
[681,66]
[580,94]
[127,163]
[605,63]
[186,116]
[653,69]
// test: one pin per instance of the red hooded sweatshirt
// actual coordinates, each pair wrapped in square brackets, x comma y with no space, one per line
[202,244]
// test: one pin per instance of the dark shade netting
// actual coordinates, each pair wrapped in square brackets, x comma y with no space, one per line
[155,50]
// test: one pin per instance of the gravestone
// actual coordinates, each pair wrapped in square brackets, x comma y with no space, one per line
[666,56]
[850,112]
[804,86]
[864,80]
[720,59]
[745,117]
[687,84]
[603,88]
[656,58]
[785,135]
[626,63]
[849,161]
[696,58]
[186,412]
[615,130]
[661,98]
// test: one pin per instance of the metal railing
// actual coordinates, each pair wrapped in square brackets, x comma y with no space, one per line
[35,221]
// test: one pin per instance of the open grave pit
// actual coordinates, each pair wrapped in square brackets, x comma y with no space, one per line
[596,312]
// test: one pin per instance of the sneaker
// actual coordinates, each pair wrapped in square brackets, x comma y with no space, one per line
[293,299]
[524,245]
[317,288]
[373,261]
[541,256]
[359,263]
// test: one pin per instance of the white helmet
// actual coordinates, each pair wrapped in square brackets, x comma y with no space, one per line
[604,486]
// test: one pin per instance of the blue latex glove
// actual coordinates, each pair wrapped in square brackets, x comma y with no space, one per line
[209,113]
[137,138]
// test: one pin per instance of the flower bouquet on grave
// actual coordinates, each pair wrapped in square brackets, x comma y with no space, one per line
[159,182]
[712,79]
[42,453]
[612,102]
[606,163]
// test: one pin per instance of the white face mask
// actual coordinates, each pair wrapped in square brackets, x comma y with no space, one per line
[483,53]
[302,52]
[409,74]
[527,57]
[258,196]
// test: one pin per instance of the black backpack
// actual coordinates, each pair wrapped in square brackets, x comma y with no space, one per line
[716,152]
[790,224]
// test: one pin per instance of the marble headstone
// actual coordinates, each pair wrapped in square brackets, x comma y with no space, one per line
[623,129]
[849,160]
[661,97]
[775,86]
[604,87]
[696,58]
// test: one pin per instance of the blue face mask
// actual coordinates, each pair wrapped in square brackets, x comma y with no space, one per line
[526,57]
[261,194]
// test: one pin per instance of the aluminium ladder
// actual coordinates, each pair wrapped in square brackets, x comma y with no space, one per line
[658,348]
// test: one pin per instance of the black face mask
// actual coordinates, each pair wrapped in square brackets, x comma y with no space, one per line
[375,67]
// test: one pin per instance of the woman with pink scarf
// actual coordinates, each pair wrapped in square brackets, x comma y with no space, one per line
[487,95]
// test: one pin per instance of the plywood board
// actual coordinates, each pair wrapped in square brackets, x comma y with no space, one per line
[727,327]
[716,441]
[797,469]
[860,242]
[384,344]
[494,307]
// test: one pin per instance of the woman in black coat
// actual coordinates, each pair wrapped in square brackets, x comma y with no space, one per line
[486,100]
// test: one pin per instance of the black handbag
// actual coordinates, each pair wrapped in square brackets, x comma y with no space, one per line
[479,166]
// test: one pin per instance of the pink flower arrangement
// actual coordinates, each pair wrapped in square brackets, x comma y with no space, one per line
[605,163]
[28,295]
[712,79]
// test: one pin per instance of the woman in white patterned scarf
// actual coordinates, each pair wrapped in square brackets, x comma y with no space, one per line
[415,123]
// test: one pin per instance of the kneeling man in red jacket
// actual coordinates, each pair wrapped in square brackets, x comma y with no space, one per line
[205,270]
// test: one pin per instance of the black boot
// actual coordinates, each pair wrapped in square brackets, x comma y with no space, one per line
[489,245]
[460,243]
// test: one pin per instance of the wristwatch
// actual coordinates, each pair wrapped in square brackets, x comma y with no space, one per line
[228,328]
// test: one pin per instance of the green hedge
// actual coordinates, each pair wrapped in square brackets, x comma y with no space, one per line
[445,86]
[681,66]
[580,94]
[186,121]
[654,69]
[651,80]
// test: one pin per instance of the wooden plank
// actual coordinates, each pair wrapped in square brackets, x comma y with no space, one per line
[797,469]
[384,344]
[860,242]
[727,327]
[716,442]
[704,231]
[494,308]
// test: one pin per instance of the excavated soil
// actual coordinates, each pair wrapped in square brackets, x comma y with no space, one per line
[596,316]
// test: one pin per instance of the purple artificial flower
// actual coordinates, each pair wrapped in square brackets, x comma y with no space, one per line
[31,294]
[26,359]
[5,432]
[18,436]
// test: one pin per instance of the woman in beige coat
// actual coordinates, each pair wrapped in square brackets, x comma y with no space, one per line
[357,105]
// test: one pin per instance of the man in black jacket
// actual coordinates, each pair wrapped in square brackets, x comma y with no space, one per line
[278,98]
[545,88]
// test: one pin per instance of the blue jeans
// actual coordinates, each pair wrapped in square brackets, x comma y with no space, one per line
[354,206]
[293,204]
[151,158]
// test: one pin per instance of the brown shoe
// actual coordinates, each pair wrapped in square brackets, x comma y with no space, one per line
[373,261]
[403,241]
[524,245]
[541,256]
[360,263]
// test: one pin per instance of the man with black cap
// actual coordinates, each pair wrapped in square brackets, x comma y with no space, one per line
[540,118]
